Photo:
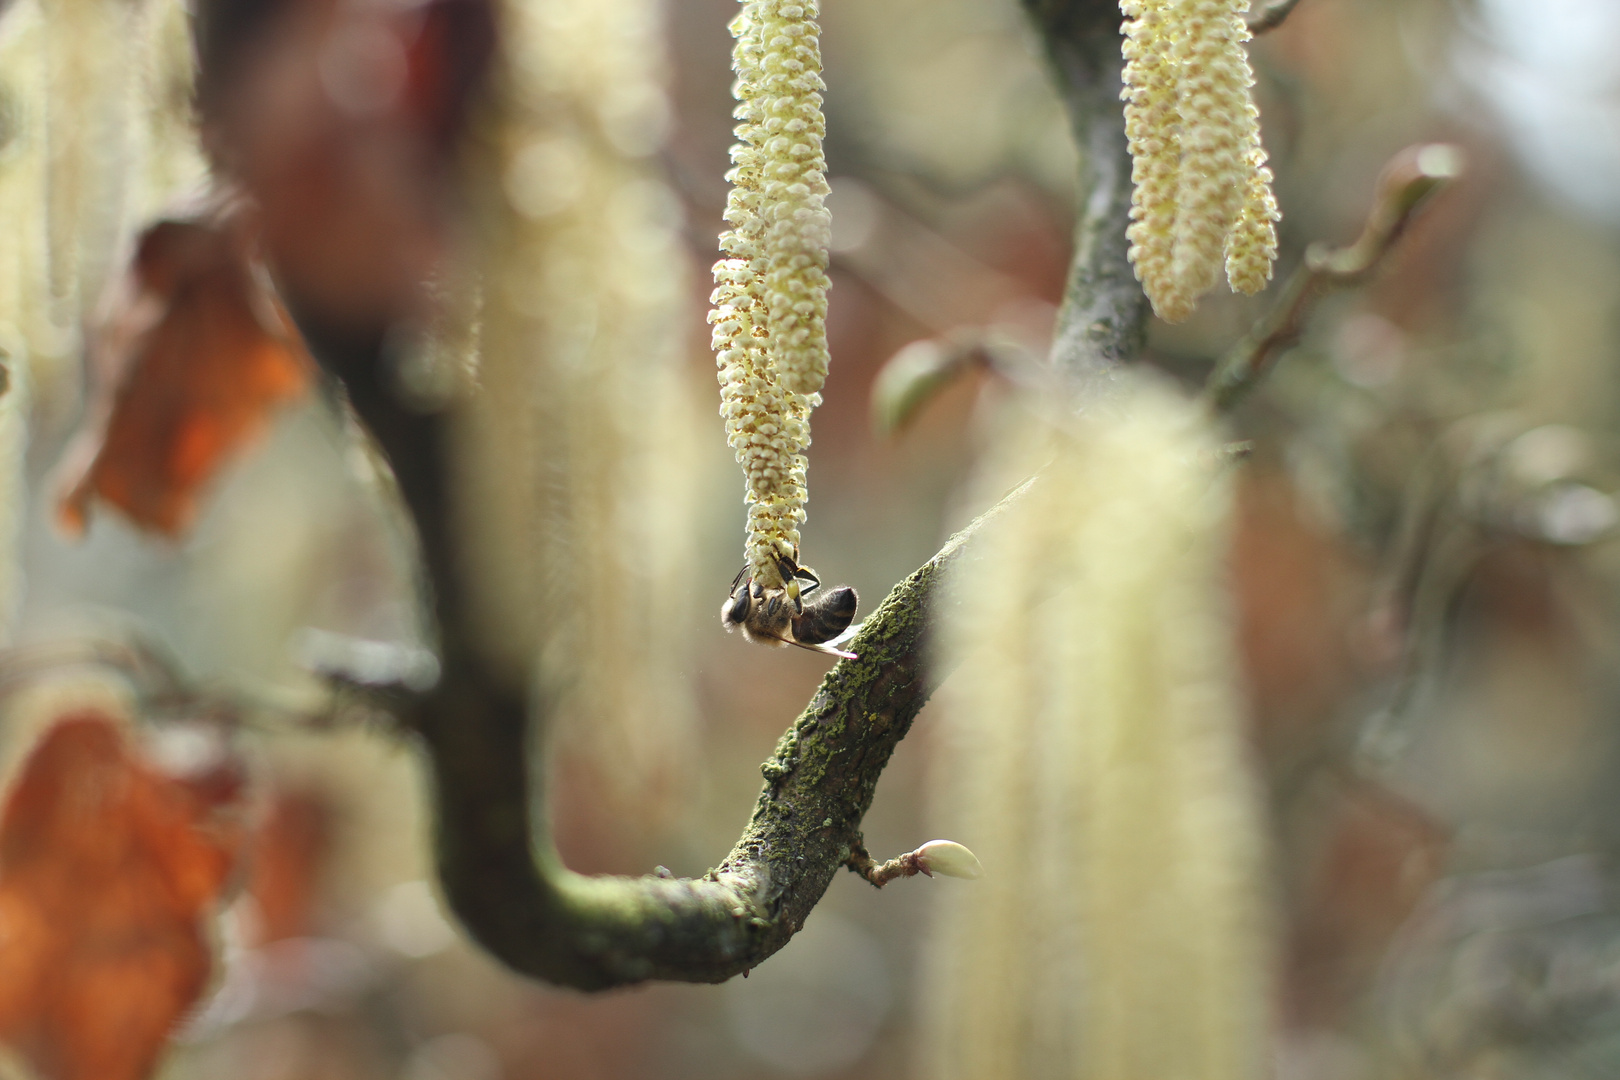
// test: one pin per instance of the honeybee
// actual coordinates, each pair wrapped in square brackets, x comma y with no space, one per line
[787,616]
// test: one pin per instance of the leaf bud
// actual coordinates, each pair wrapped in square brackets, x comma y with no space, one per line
[949,858]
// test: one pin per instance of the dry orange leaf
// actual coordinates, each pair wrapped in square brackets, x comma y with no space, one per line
[108,868]
[190,355]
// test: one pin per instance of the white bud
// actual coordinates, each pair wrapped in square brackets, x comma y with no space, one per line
[949,858]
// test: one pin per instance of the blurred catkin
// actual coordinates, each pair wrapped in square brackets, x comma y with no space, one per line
[1097,766]
[1203,192]
[95,133]
[94,115]
[24,287]
[579,440]
[24,259]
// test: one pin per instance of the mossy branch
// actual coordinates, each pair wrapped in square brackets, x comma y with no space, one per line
[498,867]
[597,932]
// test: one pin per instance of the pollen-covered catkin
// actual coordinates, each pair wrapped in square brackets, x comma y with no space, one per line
[1202,192]
[1155,144]
[770,299]
[1251,249]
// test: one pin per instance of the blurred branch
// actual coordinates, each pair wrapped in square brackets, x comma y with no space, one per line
[498,867]
[1408,180]
[1104,314]
[499,870]
[1270,16]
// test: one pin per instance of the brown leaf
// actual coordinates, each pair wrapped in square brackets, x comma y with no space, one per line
[190,355]
[107,869]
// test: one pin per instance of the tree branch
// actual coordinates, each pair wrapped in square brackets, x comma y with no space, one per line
[597,932]
[1104,314]
[499,869]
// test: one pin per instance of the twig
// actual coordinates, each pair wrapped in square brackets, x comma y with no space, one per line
[499,870]
[1406,184]
[1270,16]
[881,874]
[945,857]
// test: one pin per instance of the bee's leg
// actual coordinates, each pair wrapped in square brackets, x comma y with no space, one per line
[803,573]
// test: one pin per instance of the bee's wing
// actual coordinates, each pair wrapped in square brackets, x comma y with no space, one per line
[831,647]
[828,647]
[849,634]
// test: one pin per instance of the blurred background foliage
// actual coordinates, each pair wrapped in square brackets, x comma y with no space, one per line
[1425,566]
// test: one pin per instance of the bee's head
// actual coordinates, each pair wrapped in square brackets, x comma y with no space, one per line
[735,610]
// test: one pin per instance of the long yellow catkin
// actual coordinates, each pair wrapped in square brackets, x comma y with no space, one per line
[1155,142]
[770,299]
[1202,190]
[1096,764]
[581,435]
